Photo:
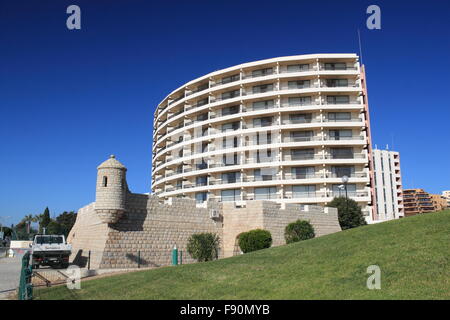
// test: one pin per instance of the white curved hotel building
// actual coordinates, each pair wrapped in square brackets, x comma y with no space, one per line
[283,129]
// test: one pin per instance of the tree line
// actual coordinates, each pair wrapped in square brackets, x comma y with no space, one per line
[24,230]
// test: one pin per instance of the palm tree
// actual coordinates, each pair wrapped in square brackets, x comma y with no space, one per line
[38,218]
[28,219]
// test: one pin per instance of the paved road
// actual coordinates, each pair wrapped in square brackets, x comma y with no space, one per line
[9,274]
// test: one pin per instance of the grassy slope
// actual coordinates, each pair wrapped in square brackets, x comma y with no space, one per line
[413,254]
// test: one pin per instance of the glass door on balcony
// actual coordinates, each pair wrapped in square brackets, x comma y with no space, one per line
[303,172]
[339,190]
[342,134]
[337,82]
[230,126]
[300,118]
[262,122]
[299,101]
[265,193]
[264,174]
[201,197]
[300,84]
[262,88]
[262,72]
[342,153]
[297,67]
[302,154]
[263,137]
[299,136]
[261,105]
[307,191]
[338,99]
[340,171]
[201,181]
[230,110]
[339,116]
[231,177]
[336,66]
[230,195]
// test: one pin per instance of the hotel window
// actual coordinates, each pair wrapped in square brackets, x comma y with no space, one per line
[230,160]
[299,84]
[339,116]
[262,176]
[300,118]
[202,87]
[262,88]
[303,172]
[340,171]
[229,142]
[230,94]
[231,177]
[302,154]
[307,191]
[204,147]
[230,126]
[298,136]
[231,195]
[263,138]
[262,72]
[229,79]
[261,105]
[201,181]
[202,117]
[336,66]
[338,99]
[299,101]
[201,197]
[297,67]
[230,110]
[340,192]
[202,102]
[263,155]
[342,153]
[262,122]
[265,193]
[202,165]
[340,134]
[337,82]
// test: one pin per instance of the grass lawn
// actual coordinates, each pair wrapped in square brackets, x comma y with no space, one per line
[413,254]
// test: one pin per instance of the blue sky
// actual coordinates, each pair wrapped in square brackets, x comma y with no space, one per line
[68,99]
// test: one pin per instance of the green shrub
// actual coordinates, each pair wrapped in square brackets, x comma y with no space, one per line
[203,246]
[254,240]
[298,231]
[349,213]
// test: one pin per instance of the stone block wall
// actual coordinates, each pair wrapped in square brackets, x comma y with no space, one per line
[273,217]
[150,228]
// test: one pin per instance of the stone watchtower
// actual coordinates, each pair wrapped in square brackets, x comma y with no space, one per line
[111,190]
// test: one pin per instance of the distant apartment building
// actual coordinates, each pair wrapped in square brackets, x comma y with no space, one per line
[446,196]
[417,201]
[439,202]
[388,185]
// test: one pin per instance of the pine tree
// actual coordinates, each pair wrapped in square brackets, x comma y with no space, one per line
[45,219]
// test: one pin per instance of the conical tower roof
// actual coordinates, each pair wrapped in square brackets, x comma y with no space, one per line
[112,163]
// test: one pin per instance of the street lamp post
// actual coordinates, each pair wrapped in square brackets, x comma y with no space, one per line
[344,181]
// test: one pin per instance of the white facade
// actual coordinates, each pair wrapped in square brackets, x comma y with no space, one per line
[388,185]
[446,195]
[284,129]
